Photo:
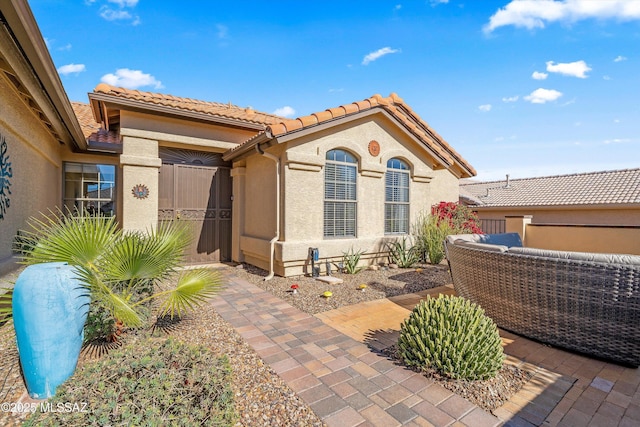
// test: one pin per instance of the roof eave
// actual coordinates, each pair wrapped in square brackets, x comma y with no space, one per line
[248,147]
[27,37]
[100,101]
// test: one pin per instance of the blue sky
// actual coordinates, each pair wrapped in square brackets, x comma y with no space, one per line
[529,88]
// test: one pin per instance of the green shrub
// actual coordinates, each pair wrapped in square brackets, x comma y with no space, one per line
[153,383]
[124,271]
[6,311]
[430,233]
[350,261]
[402,255]
[453,336]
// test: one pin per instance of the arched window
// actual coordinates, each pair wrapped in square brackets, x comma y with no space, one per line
[340,197]
[396,198]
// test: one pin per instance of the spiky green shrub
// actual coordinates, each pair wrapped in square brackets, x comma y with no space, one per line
[6,295]
[402,254]
[453,336]
[123,271]
[429,234]
[154,383]
[350,261]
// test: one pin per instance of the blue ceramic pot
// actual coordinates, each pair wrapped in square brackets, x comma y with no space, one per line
[50,308]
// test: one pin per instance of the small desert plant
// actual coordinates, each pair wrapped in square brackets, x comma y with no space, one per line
[350,260]
[403,255]
[452,336]
[123,271]
[6,295]
[430,233]
[156,382]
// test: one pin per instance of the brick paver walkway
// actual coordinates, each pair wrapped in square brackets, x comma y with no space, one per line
[344,382]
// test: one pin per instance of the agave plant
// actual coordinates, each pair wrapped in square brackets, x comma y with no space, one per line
[123,271]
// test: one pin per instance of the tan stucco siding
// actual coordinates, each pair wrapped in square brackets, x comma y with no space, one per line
[140,163]
[176,132]
[260,198]
[569,215]
[303,193]
[444,187]
[35,163]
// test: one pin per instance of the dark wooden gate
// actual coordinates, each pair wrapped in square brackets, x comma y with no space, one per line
[196,187]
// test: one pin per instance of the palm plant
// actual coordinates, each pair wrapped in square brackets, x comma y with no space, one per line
[123,271]
[5,304]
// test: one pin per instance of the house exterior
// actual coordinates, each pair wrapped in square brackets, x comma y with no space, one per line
[38,128]
[255,187]
[595,198]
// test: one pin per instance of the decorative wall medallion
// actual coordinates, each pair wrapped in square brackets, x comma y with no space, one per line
[140,191]
[374,148]
[5,173]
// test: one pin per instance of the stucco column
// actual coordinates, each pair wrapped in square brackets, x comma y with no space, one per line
[239,175]
[140,166]
[518,224]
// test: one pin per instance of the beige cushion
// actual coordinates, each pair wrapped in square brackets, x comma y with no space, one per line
[482,246]
[579,256]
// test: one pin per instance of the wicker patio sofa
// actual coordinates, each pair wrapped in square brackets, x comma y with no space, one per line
[586,302]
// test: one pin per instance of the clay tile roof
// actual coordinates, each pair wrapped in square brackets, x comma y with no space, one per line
[91,130]
[395,106]
[593,188]
[213,109]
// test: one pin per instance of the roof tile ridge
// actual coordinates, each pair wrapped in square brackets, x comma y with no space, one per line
[406,108]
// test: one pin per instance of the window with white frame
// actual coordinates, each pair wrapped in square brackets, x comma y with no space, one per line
[396,197]
[340,199]
[90,189]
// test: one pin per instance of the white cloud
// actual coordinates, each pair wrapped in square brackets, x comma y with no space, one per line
[485,108]
[65,47]
[616,141]
[397,7]
[574,69]
[616,120]
[332,90]
[537,75]
[606,77]
[437,2]
[620,58]
[378,54]
[121,11]
[542,96]
[285,111]
[114,15]
[510,99]
[124,3]
[536,14]
[131,79]
[71,69]
[223,31]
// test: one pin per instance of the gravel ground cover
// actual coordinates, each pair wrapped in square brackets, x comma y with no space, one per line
[262,398]
[381,283]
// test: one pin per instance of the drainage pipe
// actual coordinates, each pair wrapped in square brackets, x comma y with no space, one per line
[273,241]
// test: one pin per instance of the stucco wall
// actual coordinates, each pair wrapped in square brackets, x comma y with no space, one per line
[190,132]
[35,163]
[569,215]
[303,162]
[619,240]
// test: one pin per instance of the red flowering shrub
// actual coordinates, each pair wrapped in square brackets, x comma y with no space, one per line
[460,218]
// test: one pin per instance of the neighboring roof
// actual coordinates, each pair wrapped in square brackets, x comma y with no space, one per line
[95,135]
[595,188]
[212,110]
[30,69]
[394,105]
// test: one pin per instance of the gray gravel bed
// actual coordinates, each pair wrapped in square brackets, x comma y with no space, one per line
[381,283]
